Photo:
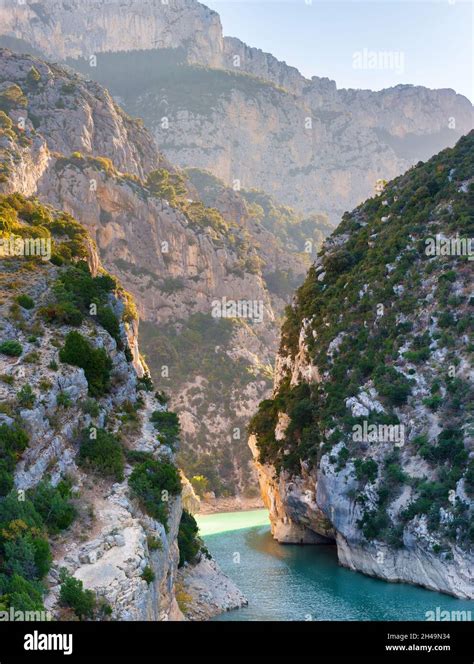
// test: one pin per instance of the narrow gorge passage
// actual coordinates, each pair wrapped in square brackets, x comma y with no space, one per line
[294,582]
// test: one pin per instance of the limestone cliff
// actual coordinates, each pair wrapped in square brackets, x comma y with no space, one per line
[81,433]
[65,140]
[367,439]
[54,397]
[216,103]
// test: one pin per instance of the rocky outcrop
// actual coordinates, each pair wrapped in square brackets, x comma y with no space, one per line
[58,29]
[204,591]
[107,546]
[109,542]
[247,116]
[81,153]
[295,516]
[111,561]
[383,465]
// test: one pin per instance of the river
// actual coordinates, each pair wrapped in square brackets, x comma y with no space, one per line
[295,582]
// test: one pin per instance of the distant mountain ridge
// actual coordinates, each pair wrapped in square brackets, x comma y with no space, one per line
[65,140]
[308,144]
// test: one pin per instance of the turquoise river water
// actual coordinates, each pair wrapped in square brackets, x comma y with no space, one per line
[294,582]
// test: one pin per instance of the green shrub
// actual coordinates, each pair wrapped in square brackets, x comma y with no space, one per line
[263,424]
[24,551]
[189,542]
[53,504]
[101,452]
[373,523]
[23,595]
[33,77]
[154,544]
[12,98]
[152,482]
[19,557]
[73,595]
[11,348]
[446,319]
[63,313]
[145,383]
[76,290]
[342,457]
[167,424]
[433,402]
[469,478]
[392,385]
[148,574]
[162,398]
[6,477]
[366,470]
[64,400]
[167,185]
[95,362]
[68,89]
[26,397]
[42,556]
[25,301]
[110,322]
[138,456]
[13,442]
[91,407]
[449,447]
[394,475]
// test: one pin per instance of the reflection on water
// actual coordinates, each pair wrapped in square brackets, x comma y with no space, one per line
[297,582]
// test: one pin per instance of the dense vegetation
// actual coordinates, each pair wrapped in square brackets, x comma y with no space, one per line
[289,226]
[369,290]
[189,542]
[97,365]
[154,483]
[26,523]
[27,218]
[13,441]
[101,451]
[168,345]
[166,73]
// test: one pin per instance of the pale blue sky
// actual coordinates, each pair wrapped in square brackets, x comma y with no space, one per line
[435,38]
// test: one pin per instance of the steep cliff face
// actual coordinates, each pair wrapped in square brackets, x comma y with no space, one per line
[71,383]
[319,150]
[66,141]
[62,28]
[368,436]
[216,103]
[85,441]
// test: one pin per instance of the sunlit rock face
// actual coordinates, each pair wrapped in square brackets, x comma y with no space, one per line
[366,439]
[259,122]
[107,545]
[59,28]
[81,153]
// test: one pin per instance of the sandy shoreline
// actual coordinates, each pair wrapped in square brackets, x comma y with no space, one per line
[232,504]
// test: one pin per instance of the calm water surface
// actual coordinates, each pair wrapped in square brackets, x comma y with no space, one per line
[292,582]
